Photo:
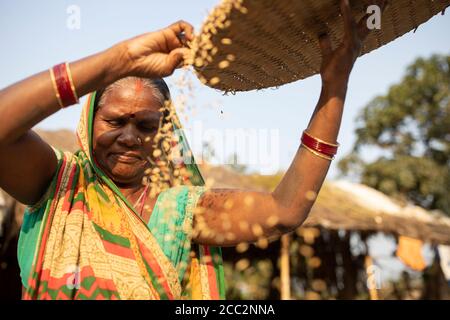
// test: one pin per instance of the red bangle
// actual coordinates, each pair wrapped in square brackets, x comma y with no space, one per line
[326,148]
[63,85]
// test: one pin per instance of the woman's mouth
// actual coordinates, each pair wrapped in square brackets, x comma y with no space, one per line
[126,157]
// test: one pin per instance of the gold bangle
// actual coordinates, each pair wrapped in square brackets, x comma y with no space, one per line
[320,140]
[52,77]
[317,153]
[69,74]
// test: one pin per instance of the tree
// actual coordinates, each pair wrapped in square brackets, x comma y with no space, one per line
[409,130]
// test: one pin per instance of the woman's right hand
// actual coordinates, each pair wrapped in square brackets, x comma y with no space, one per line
[156,54]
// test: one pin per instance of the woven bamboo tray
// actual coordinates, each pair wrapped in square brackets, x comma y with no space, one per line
[253,44]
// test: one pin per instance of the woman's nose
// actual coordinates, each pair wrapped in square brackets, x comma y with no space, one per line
[129,137]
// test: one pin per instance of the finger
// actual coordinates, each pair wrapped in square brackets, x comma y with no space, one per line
[325,45]
[177,57]
[183,27]
[346,12]
[362,28]
[178,34]
[382,4]
[182,38]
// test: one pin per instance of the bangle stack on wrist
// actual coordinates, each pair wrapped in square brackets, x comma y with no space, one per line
[63,85]
[320,148]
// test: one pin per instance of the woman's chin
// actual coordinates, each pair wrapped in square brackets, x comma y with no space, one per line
[126,176]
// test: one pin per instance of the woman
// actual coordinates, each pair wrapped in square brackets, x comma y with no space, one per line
[93,230]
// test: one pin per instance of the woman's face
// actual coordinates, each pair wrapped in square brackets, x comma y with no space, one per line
[124,128]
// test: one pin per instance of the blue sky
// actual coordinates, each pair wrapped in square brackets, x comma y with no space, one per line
[34,37]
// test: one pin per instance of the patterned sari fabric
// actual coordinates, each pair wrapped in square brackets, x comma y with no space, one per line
[84,240]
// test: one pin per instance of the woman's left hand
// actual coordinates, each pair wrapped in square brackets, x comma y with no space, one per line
[337,64]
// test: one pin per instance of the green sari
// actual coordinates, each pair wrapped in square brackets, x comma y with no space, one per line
[84,240]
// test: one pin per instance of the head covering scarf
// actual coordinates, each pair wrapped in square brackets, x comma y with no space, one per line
[84,240]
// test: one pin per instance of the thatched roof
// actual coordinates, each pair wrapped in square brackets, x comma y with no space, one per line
[340,205]
[345,205]
[353,206]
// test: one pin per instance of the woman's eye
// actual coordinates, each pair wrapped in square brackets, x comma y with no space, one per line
[115,123]
[149,127]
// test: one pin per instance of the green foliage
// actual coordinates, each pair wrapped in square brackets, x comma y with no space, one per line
[409,128]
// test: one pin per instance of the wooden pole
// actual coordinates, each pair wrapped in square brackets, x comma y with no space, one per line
[371,278]
[285,281]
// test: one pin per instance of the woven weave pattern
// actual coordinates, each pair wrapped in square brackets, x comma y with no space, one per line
[253,44]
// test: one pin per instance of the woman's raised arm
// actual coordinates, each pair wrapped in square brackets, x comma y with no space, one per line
[27,163]
[228,217]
